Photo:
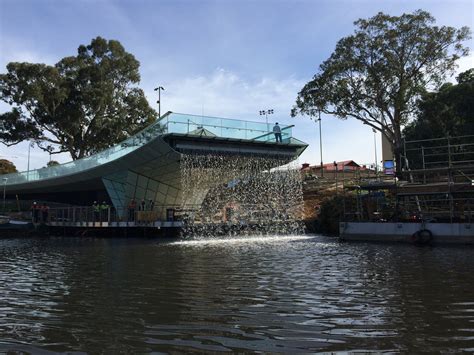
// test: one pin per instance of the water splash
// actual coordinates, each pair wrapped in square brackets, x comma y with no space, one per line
[240,195]
[243,240]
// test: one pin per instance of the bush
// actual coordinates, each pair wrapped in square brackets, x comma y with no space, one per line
[332,212]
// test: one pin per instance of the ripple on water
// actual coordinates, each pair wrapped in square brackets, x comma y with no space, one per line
[260,293]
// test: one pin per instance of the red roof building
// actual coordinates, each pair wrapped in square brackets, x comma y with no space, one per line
[346,165]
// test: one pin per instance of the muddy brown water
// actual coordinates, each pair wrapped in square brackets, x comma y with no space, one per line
[269,294]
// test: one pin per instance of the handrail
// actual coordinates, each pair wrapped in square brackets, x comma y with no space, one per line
[266,134]
[438,139]
[125,147]
[146,214]
[119,147]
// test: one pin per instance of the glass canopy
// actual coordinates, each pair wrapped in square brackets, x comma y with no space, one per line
[169,123]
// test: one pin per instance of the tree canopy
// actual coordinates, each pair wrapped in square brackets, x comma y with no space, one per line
[377,74]
[7,167]
[448,111]
[81,105]
[51,163]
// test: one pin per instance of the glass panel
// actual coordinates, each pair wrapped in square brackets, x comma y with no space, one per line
[225,127]
[172,123]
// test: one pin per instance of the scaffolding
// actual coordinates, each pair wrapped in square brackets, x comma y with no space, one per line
[437,185]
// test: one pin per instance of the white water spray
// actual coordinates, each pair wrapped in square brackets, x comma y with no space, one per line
[240,195]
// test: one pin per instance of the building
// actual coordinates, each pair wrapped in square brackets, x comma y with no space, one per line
[346,165]
[146,166]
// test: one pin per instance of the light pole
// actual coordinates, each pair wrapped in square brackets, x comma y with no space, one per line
[159,88]
[375,150]
[28,166]
[4,191]
[320,143]
[266,113]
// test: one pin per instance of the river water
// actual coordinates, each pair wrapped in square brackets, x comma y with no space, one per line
[270,294]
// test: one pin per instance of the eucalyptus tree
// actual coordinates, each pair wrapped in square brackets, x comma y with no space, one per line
[7,167]
[448,111]
[81,105]
[377,74]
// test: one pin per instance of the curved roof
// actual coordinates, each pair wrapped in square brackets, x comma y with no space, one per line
[129,152]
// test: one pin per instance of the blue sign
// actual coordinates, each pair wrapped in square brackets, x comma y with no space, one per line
[388,167]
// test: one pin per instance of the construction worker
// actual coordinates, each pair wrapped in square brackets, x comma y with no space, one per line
[132,206]
[151,204]
[35,212]
[96,211]
[104,207]
[44,213]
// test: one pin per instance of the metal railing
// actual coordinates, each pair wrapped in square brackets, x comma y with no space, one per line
[169,123]
[221,127]
[434,207]
[107,215]
[438,153]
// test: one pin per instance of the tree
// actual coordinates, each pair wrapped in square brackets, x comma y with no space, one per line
[81,105]
[7,167]
[377,74]
[449,111]
[51,163]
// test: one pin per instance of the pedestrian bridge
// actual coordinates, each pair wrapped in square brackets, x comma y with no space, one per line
[147,164]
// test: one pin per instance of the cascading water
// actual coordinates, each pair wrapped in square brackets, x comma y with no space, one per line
[235,194]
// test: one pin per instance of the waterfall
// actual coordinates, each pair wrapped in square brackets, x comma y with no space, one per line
[236,194]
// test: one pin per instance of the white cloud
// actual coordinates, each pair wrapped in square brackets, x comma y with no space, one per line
[224,93]
[463,64]
[466,63]
[227,94]
[13,50]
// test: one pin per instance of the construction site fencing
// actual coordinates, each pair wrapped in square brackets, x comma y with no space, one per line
[430,154]
[411,208]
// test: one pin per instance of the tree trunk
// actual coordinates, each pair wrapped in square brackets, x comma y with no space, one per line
[398,151]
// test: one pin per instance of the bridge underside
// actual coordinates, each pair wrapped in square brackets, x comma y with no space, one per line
[151,172]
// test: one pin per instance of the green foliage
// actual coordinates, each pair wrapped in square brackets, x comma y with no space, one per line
[377,74]
[52,163]
[331,213]
[466,77]
[7,167]
[446,112]
[81,105]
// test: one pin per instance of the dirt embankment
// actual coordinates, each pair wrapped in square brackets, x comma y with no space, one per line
[317,192]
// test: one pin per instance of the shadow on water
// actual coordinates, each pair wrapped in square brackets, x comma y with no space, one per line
[272,294]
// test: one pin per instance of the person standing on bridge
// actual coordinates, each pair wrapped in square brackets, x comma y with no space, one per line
[277,132]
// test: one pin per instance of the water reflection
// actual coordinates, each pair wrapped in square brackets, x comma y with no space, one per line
[272,294]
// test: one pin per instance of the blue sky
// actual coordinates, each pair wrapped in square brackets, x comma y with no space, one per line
[221,58]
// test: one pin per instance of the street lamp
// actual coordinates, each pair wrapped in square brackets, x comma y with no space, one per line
[30,145]
[320,143]
[266,113]
[159,88]
[375,149]
[4,191]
